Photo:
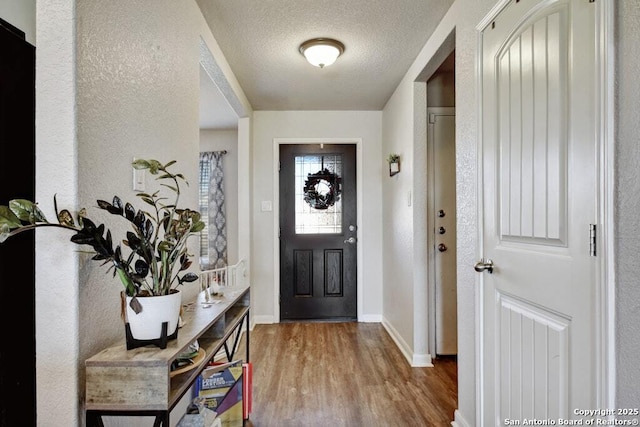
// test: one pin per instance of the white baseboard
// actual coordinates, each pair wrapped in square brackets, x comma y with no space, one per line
[268,319]
[422,361]
[415,360]
[371,318]
[263,320]
[459,420]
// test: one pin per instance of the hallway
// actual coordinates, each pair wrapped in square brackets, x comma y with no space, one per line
[344,374]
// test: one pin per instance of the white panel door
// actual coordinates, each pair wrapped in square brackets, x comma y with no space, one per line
[442,134]
[539,199]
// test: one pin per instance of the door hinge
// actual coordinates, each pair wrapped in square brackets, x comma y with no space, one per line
[432,118]
[279,165]
[592,240]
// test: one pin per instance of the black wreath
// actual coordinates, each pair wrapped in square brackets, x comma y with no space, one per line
[313,197]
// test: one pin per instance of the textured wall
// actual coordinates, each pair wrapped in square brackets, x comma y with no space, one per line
[132,51]
[462,18]
[116,80]
[138,96]
[315,124]
[628,203]
[138,87]
[57,280]
[397,211]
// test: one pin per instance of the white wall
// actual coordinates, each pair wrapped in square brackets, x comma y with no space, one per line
[398,233]
[268,125]
[57,272]
[399,135]
[21,14]
[137,55]
[115,80]
[397,123]
[218,140]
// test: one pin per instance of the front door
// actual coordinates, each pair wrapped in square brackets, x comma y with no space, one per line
[318,244]
[539,198]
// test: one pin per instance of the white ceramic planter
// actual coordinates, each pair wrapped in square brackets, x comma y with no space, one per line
[147,325]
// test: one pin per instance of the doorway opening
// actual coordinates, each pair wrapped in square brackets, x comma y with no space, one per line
[435,103]
[441,207]
[220,165]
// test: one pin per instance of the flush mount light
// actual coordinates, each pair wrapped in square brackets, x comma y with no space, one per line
[321,51]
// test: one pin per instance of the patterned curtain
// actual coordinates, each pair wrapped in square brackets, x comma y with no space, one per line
[214,242]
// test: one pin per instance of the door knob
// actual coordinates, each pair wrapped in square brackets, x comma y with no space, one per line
[484,265]
[442,247]
[351,240]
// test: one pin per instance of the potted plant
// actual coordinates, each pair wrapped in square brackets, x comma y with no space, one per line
[157,259]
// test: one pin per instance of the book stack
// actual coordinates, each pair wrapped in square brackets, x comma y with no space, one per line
[225,389]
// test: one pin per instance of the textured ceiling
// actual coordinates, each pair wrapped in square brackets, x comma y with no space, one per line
[260,40]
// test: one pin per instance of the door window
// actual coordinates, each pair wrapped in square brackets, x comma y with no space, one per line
[318,205]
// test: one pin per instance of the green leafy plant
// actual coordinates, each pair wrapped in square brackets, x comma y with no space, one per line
[393,158]
[157,242]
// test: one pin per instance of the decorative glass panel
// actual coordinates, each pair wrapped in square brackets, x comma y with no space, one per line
[309,173]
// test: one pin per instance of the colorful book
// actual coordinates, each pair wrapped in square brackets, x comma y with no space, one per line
[220,386]
[247,384]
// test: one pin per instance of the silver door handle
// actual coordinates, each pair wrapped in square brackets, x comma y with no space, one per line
[351,240]
[484,265]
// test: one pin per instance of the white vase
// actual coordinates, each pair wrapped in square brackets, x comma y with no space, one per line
[147,325]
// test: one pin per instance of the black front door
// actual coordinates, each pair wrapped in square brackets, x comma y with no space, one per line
[318,246]
[17,266]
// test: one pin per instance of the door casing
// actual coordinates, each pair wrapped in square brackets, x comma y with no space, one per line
[276,216]
[605,286]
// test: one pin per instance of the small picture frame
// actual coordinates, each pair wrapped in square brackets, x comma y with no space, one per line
[394,164]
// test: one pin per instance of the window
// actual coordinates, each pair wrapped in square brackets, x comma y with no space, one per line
[308,219]
[205,167]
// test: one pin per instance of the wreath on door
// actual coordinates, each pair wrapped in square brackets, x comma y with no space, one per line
[322,189]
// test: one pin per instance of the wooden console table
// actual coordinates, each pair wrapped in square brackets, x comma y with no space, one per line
[137,382]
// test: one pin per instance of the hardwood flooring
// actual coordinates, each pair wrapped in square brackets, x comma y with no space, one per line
[344,374]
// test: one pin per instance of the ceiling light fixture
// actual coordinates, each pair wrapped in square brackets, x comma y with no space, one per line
[321,51]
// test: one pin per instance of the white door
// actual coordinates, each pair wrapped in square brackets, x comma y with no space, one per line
[442,136]
[539,199]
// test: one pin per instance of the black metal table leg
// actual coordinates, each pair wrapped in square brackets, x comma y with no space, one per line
[247,339]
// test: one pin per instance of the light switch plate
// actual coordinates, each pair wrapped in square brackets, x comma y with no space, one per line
[139,179]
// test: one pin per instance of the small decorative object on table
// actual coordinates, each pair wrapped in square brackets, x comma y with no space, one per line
[191,358]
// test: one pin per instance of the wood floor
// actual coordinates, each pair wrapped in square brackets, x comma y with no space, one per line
[344,374]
